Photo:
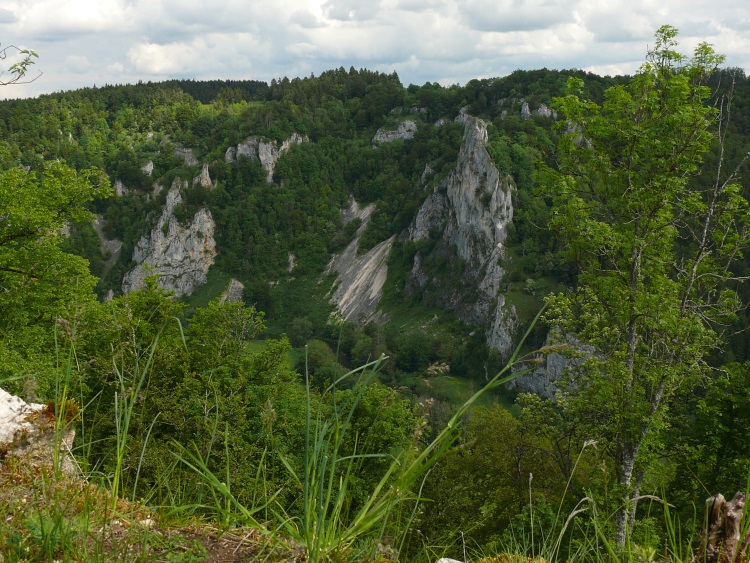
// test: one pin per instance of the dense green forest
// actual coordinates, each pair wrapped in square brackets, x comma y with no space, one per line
[629,221]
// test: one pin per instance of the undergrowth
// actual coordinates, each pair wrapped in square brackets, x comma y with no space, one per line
[49,512]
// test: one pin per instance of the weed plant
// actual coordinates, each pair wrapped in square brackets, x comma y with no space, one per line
[50,515]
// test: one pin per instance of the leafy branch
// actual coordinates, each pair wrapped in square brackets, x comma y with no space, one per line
[20,68]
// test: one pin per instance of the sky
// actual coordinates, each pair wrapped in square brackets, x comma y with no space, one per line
[95,42]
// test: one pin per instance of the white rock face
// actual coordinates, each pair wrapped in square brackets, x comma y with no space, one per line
[148,168]
[525,113]
[544,111]
[107,246]
[204,179]
[186,155]
[361,278]
[179,255]
[120,188]
[267,152]
[13,414]
[474,203]
[26,429]
[543,380]
[233,292]
[541,111]
[405,131]
[354,211]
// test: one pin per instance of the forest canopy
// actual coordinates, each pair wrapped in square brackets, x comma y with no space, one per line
[629,198]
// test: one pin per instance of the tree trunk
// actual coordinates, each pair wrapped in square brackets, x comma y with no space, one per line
[626,479]
[722,541]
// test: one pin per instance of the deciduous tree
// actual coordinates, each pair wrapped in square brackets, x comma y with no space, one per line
[39,283]
[654,250]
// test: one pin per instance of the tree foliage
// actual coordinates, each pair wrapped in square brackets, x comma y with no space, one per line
[653,250]
[40,284]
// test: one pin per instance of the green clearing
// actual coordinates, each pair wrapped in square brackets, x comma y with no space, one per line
[216,285]
[458,390]
[292,355]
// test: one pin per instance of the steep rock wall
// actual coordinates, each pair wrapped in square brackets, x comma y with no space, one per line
[560,355]
[179,255]
[473,208]
[267,152]
[359,285]
[107,247]
[405,131]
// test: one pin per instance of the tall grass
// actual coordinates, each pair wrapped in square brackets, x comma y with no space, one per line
[330,527]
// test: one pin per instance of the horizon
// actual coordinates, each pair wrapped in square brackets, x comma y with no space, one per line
[82,43]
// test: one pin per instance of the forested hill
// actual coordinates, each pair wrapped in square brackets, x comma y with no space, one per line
[199,248]
[260,226]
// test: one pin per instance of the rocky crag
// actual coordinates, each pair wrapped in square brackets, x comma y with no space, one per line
[233,293]
[359,285]
[267,152]
[107,247]
[180,255]
[28,430]
[469,211]
[561,355]
[404,131]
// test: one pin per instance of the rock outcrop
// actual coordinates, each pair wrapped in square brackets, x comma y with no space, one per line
[405,131]
[203,179]
[108,247]
[119,188]
[559,354]
[541,111]
[525,112]
[267,152]
[29,430]
[544,111]
[179,255]
[472,207]
[233,293]
[186,155]
[360,281]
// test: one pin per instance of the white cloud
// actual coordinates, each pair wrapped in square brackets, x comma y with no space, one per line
[203,55]
[516,15]
[351,10]
[77,63]
[305,19]
[53,20]
[83,42]
[7,16]
[422,5]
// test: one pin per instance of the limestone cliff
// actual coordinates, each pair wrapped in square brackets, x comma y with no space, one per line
[28,430]
[187,155]
[472,207]
[233,293]
[404,131]
[559,355]
[179,255]
[204,179]
[359,285]
[108,247]
[120,188]
[267,152]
